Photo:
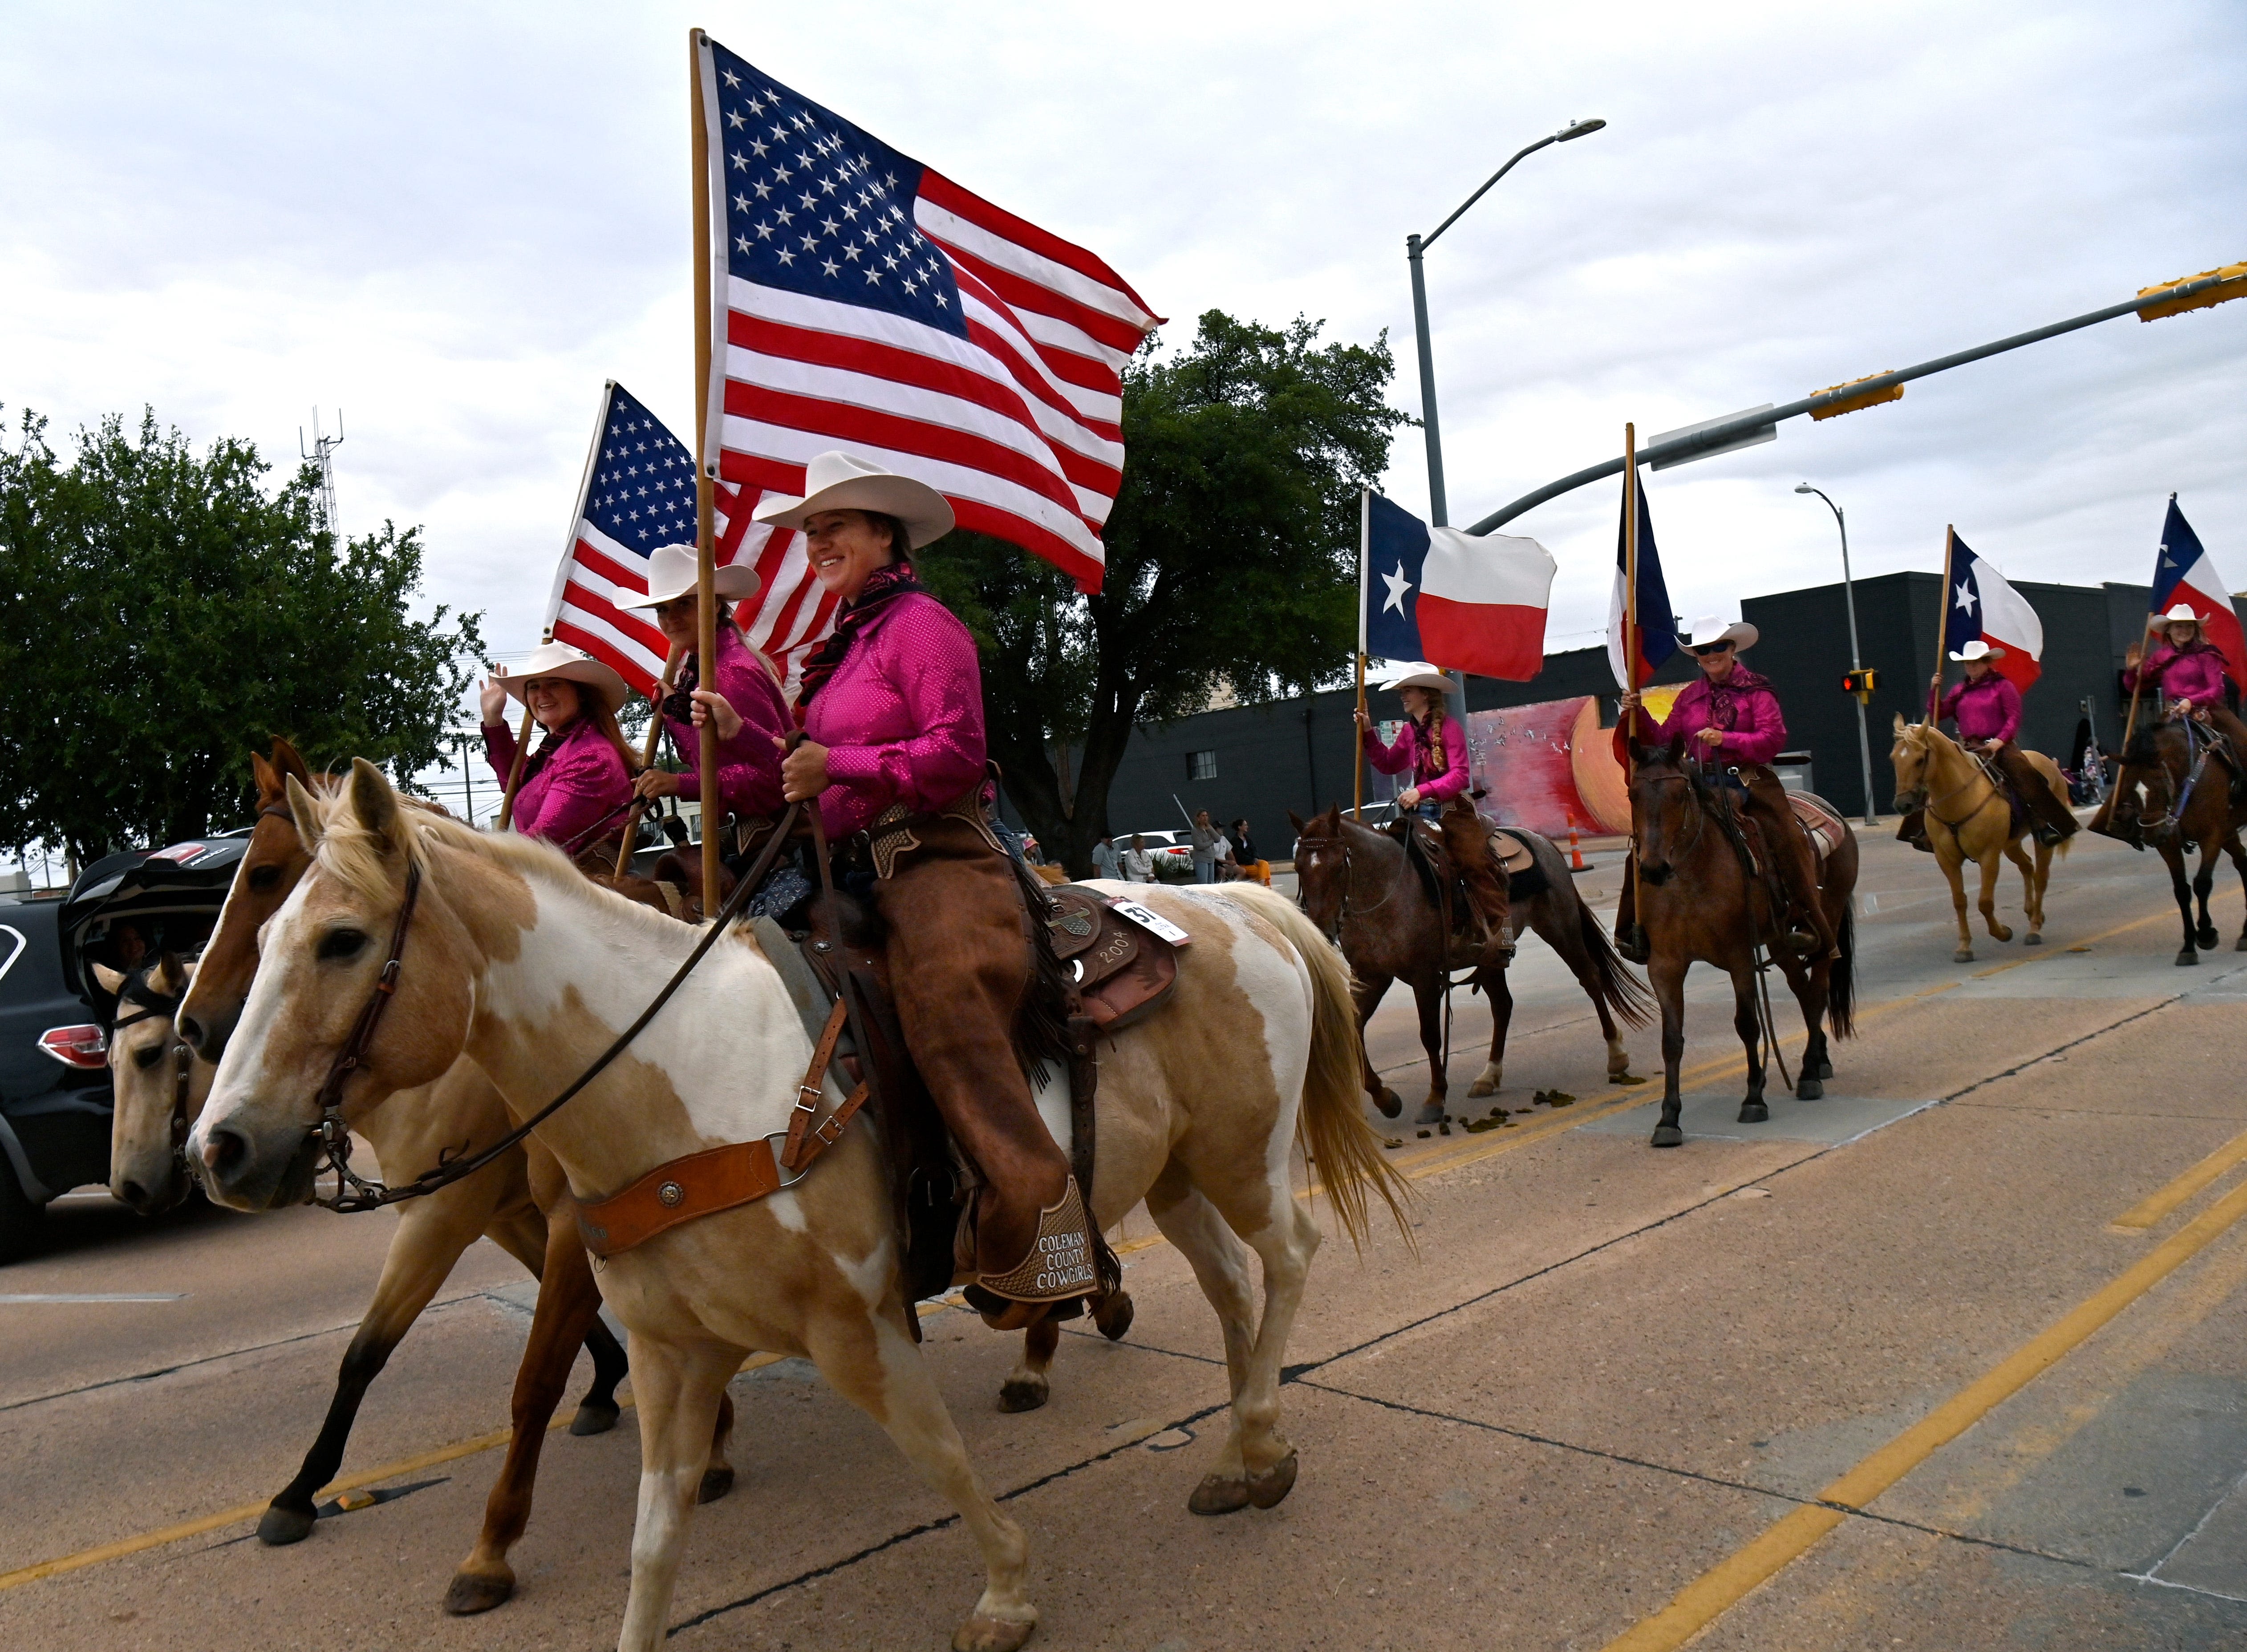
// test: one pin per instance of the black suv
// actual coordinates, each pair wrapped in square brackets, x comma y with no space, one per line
[54,1074]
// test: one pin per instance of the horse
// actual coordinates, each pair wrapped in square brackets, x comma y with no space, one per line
[520,1202]
[1699,901]
[2143,810]
[1968,817]
[1199,1107]
[1357,887]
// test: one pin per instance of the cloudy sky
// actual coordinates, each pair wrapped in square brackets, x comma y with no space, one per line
[454,221]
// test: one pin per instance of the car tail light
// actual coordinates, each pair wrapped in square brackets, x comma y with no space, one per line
[83,1045]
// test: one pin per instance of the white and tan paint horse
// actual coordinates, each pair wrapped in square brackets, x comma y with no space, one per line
[513,958]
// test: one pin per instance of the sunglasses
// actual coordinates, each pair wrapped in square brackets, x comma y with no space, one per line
[1711,648]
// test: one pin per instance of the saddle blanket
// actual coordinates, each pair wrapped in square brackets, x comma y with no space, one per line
[1818,818]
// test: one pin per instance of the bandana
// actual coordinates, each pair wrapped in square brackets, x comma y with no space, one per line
[1725,697]
[883,586]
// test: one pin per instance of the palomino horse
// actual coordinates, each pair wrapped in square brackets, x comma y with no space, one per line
[1199,1108]
[1700,903]
[2143,810]
[1969,818]
[521,1202]
[1356,885]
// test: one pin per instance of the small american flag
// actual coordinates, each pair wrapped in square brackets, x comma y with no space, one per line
[637,496]
[865,302]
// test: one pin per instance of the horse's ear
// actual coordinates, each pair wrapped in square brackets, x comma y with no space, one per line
[1296,821]
[170,975]
[1901,725]
[305,811]
[375,803]
[1677,749]
[267,779]
[286,760]
[112,980]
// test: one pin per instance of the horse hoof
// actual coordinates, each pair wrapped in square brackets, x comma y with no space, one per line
[1112,1313]
[1668,1136]
[1270,1488]
[1430,1113]
[716,1484]
[1809,1089]
[1754,1113]
[1022,1393]
[2208,938]
[1390,1103]
[2188,957]
[278,1526]
[981,1634]
[1481,1086]
[1825,1070]
[2240,946]
[1963,955]
[2031,939]
[1218,1495]
[470,1593]
[594,1419]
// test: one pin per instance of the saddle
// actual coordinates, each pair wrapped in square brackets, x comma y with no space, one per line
[1513,860]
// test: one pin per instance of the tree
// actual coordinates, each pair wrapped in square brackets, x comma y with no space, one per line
[1231,558]
[163,612]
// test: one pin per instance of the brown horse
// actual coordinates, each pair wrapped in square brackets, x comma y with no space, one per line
[521,1202]
[1699,901]
[2144,810]
[1357,884]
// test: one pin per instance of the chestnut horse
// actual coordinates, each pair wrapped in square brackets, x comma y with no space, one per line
[2144,810]
[1200,1108]
[1356,885]
[520,1202]
[1700,903]
[1968,817]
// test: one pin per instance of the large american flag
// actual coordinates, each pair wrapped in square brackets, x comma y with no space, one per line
[866,303]
[637,494]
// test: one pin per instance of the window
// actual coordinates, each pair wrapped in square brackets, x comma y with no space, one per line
[1201,765]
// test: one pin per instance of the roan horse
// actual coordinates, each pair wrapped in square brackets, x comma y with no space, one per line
[520,1202]
[2143,810]
[1698,902]
[1356,885]
[1969,818]
[1199,1108]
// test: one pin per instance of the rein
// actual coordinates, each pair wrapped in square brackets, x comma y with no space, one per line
[1349,878]
[354,1192]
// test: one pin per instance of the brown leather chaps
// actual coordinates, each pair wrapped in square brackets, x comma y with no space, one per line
[1466,839]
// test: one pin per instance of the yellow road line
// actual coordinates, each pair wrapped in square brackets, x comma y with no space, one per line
[1716,1591]
[2151,1208]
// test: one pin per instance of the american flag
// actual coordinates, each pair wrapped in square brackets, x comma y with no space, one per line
[867,302]
[637,496]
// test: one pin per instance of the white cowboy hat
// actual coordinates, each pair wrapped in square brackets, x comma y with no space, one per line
[838,481]
[1420,676]
[559,659]
[672,572]
[2180,615]
[1708,633]
[1978,650]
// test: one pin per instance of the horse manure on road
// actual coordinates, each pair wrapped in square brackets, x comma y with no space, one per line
[1625,1078]
[1554,1098]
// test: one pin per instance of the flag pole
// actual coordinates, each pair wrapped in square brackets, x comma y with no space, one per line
[522,751]
[2138,682]
[1358,740]
[1631,641]
[705,578]
[647,756]
[1942,625]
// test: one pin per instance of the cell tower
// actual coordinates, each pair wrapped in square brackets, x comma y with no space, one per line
[323,454]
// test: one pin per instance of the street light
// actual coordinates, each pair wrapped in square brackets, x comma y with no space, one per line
[1856,661]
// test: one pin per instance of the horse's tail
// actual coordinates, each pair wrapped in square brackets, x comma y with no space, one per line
[1344,1153]
[1841,980]
[1626,997]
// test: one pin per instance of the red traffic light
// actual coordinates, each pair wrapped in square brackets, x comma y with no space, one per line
[1861,683]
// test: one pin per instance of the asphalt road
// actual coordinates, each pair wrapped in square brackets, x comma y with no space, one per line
[1951,1358]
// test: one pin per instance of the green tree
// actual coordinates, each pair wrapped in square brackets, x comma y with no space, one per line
[1231,558]
[164,612]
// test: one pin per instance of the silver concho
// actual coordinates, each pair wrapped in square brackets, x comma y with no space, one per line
[670,1194]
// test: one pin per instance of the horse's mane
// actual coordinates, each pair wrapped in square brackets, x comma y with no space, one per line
[2144,750]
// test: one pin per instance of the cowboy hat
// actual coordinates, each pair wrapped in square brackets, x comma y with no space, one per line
[1977,649]
[2180,615]
[1713,632]
[559,659]
[838,481]
[672,573]
[1421,676]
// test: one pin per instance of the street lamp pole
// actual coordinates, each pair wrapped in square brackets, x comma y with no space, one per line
[1856,660]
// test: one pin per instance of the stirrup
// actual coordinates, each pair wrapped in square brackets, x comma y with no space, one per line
[1058,1268]
[1631,945]
[1802,942]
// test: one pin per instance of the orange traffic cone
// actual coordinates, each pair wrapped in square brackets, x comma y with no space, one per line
[1575,854]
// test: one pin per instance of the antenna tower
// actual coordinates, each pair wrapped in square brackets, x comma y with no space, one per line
[323,454]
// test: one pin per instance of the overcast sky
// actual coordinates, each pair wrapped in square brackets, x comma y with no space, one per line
[455,220]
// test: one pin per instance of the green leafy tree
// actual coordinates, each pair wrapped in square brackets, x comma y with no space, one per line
[1232,559]
[164,612]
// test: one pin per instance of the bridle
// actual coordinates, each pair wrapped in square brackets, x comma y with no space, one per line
[153,1004]
[1349,878]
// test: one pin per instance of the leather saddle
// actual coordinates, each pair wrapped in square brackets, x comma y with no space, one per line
[1120,971]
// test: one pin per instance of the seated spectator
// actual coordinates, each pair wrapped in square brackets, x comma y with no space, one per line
[1250,864]
[1138,865]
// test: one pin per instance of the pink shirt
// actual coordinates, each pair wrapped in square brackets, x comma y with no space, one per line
[2194,672]
[581,779]
[1438,775]
[1988,710]
[748,764]
[1742,707]
[902,717]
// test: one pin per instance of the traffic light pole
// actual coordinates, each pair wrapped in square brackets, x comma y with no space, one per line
[1857,659]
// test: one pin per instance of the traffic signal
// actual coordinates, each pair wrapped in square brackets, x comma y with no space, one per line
[1861,683]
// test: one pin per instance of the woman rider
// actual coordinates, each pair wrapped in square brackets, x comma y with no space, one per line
[577,786]
[749,766]
[1987,708]
[1728,717]
[892,704]
[1434,748]
[2187,669]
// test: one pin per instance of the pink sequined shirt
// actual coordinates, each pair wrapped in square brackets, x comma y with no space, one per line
[1438,775]
[902,717]
[748,764]
[580,779]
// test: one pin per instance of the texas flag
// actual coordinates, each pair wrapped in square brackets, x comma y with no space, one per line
[1459,601]
[1982,605]
[1657,626]
[2182,573]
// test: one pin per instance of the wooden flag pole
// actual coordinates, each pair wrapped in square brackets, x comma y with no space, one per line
[1357,748]
[1631,638]
[2138,679]
[1356,738]
[522,751]
[647,756]
[706,633]
[1942,628]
